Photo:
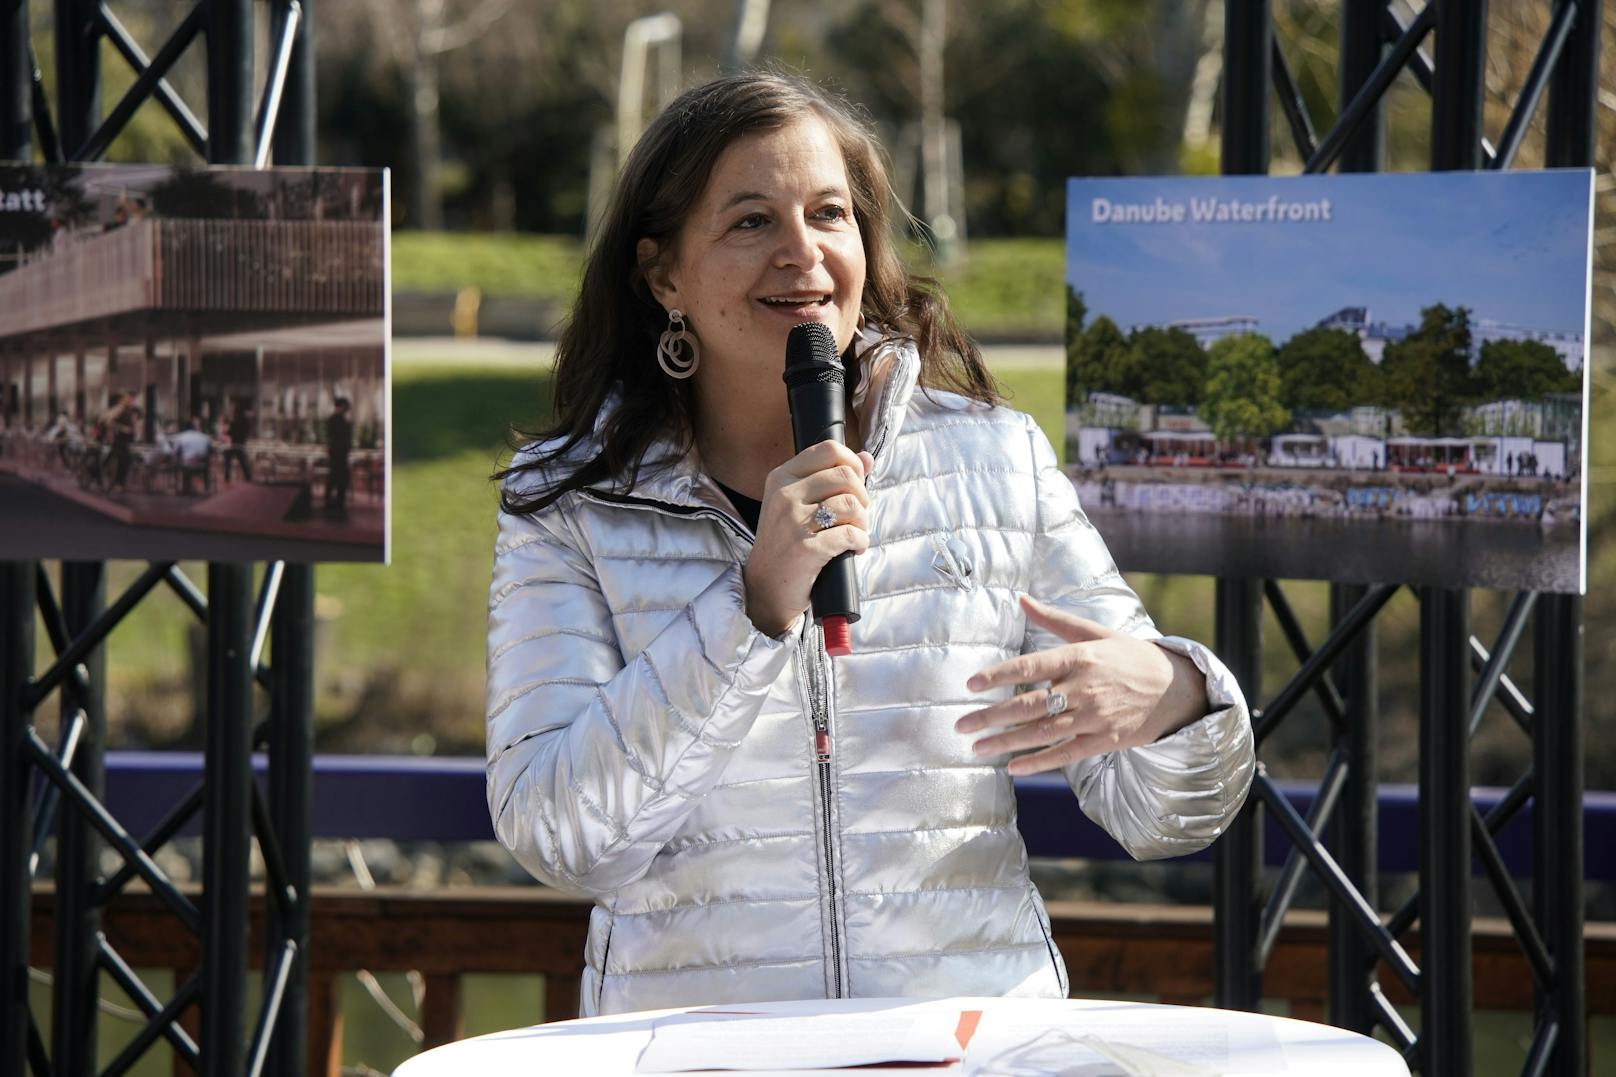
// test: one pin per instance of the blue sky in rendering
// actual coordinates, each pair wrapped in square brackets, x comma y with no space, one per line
[1511,246]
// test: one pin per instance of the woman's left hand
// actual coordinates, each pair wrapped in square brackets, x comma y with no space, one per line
[1119,692]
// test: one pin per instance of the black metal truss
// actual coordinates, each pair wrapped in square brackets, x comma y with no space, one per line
[67,801]
[1460,676]
[1405,54]
[1352,903]
[46,789]
[83,23]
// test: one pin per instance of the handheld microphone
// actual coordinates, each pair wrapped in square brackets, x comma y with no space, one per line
[814,382]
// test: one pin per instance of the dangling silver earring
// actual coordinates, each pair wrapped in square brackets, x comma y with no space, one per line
[677,353]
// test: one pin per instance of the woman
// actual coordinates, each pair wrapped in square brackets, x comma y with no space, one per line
[665,731]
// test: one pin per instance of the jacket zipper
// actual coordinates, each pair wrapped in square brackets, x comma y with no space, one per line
[689,511]
[813,654]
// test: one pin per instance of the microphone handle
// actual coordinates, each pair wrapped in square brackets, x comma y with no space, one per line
[817,415]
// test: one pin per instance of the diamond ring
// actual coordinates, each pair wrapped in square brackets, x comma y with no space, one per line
[823,518]
[1054,704]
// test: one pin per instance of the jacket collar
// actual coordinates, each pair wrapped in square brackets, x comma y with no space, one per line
[888,371]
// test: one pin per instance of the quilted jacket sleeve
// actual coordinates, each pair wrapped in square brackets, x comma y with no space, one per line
[1176,795]
[594,763]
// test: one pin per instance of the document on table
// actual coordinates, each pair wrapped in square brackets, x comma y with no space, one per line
[739,1041]
[1124,1042]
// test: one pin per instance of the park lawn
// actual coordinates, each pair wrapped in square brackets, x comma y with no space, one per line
[1009,287]
[496,263]
[1002,286]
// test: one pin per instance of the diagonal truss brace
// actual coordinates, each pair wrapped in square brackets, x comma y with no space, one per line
[161,91]
[1365,101]
[1321,660]
[1537,80]
[1290,101]
[145,85]
[1405,39]
[270,105]
[151,82]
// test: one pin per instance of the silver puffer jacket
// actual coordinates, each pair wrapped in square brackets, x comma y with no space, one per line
[649,748]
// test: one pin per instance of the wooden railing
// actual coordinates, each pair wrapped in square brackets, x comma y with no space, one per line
[1110,949]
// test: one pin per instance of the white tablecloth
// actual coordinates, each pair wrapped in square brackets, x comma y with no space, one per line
[1015,1036]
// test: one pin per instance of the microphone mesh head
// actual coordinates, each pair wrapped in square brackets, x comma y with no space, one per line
[812,344]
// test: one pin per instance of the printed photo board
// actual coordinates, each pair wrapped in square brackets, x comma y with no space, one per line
[193,363]
[1355,378]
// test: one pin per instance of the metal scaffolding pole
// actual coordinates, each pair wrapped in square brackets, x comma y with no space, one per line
[1355,827]
[1247,60]
[291,750]
[1354,833]
[1558,637]
[230,82]
[1574,92]
[1557,886]
[1237,864]
[16,82]
[1444,768]
[227,799]
[1446,988]
[16,809]
[17,585]
[226,820]
[291,743]
[78,848]
[294,130]
[78,72]
[1361,51]
[1248,42]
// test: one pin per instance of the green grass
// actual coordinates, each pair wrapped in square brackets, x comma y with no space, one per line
[1001,286]
[1009,286]
[498,263]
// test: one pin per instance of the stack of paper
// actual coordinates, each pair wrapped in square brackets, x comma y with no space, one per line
[732,1040]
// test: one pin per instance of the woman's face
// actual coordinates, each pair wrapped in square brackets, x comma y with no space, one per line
[770,243]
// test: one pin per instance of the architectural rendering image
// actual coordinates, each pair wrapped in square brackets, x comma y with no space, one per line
[193,363]
[1333,378]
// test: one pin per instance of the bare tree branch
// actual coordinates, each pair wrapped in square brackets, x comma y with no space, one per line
[444,39]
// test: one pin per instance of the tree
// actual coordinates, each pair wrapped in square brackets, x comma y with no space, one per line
[1243,388]
[1427,374]
[1096,359]
[1522,370]
[1326,370]
[1076,311]
[1165,366]
[1116,73]
[197,192]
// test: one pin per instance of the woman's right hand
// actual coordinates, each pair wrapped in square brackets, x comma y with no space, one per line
[790,550]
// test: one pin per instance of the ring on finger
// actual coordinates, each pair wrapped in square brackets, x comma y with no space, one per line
[1054,703]
[823,517]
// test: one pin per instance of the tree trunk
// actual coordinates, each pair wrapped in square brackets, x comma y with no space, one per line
[421,84]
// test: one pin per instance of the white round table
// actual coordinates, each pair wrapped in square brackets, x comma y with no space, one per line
[1013,1037]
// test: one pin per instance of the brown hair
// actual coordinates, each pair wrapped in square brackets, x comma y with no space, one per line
[609,343]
